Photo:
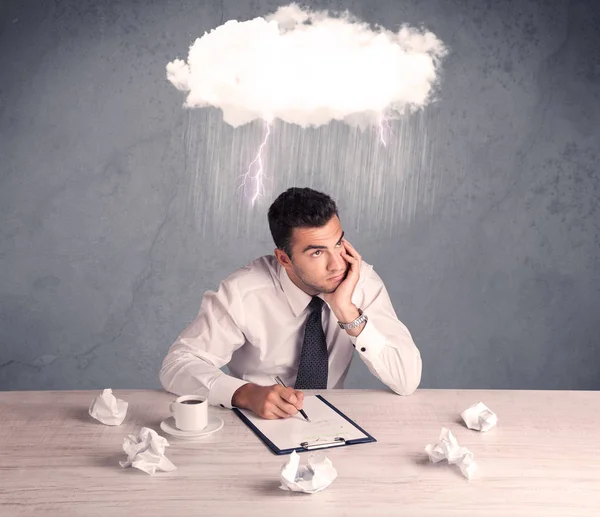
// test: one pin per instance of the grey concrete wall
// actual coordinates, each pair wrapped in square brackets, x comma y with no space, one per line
[105,254]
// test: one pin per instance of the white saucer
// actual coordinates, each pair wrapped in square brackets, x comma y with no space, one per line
[214,424]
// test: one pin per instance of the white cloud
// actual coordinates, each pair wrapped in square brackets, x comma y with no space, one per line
[308,68]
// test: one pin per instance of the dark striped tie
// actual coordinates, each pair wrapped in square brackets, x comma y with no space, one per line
[314,358]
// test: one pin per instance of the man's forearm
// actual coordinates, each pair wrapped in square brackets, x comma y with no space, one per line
[184,372]
[394,359]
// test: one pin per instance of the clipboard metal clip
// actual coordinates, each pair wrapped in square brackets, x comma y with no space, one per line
[319,445]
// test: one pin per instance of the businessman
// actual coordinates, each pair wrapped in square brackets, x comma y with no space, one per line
[298,314]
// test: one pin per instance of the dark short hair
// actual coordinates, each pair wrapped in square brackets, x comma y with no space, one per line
[298,208]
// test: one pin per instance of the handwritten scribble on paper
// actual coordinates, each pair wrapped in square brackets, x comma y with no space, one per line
[323,430]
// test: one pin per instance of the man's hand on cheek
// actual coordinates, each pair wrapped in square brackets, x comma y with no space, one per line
[340,300]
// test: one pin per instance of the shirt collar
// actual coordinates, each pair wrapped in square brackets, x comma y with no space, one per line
[296,297]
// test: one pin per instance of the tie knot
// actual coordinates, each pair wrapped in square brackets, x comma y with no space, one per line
[316,304]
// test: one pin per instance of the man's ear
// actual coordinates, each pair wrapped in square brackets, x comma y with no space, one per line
[282,258]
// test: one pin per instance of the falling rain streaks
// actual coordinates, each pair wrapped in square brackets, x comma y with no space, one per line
[379,188]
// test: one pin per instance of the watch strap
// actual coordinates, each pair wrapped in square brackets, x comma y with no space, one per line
[362,318]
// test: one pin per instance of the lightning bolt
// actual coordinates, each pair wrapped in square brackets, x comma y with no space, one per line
[383,122]
[256,179]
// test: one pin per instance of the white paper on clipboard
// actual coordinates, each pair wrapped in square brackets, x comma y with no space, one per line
[325,426]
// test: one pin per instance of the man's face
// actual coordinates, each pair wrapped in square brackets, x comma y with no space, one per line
[317,265]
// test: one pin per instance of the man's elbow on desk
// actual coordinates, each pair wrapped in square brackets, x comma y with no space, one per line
[171,376]
[411,378]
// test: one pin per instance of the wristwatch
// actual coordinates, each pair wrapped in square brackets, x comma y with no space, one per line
[362,318]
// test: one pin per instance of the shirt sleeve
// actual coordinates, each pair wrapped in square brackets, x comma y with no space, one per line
[385,344]
[192,364]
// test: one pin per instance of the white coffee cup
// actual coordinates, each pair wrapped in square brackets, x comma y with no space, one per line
[190,412]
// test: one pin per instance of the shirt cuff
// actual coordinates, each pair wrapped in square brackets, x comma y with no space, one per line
[222,390]
[370,342]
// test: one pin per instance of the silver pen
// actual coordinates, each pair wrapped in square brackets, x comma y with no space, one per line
[301,411]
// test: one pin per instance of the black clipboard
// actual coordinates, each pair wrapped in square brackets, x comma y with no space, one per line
[306,446]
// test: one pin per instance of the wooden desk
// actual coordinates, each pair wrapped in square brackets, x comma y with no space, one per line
[541,459]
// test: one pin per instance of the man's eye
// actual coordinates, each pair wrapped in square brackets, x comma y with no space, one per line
[339,244]
[315,253]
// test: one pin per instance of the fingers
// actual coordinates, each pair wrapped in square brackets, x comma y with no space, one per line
[351,250]
[348,258]
[272,412]
[285,407]
[352,257]
[278,401]
[289,395]
[293,396]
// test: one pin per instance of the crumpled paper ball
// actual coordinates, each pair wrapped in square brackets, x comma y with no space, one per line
[311,478]
[479,417]
[109,410]
[147,452]
[448,449]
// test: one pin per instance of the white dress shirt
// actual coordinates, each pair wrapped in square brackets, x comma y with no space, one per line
[254,324]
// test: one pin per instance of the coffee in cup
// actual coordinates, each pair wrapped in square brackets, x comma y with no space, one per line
[190,412]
